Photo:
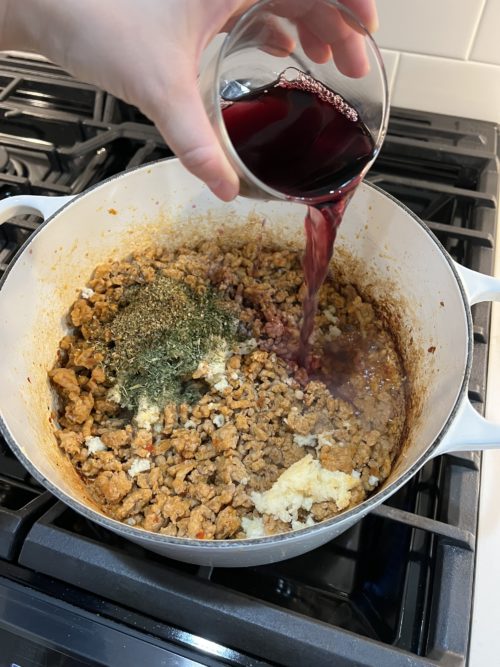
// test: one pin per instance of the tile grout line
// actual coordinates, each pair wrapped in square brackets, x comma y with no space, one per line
[394,74]
[454,59]
[475,31]
[441,59]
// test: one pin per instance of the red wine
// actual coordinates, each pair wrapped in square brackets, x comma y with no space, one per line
[305,141]
[321,231]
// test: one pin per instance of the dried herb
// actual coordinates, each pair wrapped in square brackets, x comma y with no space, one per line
[158,338]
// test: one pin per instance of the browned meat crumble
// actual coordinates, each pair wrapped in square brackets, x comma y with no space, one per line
[201,468]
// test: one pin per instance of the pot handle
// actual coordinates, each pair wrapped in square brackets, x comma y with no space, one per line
[469,430]
[31,204]
[478,286]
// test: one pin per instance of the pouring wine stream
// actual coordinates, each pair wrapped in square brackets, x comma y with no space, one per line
[301,138]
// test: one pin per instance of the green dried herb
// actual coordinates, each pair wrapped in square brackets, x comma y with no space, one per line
[158,339]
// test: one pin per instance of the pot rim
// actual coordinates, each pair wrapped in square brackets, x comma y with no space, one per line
[159,539]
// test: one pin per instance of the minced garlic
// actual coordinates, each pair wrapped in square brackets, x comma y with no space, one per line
[306,482]
[212,368]
[95,444]
[147,414]
[139,465]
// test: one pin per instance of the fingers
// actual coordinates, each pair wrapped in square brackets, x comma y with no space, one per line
[269,34]
[315,49]
[350,56]
[329,26]
[275,39]
[366,11]
[325,31]
[181,118]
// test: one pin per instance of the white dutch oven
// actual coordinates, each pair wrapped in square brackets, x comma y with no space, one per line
[388,251]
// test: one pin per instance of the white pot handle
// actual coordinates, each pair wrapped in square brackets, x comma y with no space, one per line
[478,286]
[31,204]
[469,430]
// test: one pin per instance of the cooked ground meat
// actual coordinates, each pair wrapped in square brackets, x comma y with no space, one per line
[196,469]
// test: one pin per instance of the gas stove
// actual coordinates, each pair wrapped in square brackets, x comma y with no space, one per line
[396,589]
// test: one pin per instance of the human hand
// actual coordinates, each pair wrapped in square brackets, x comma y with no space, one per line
[147,53]
[327,33]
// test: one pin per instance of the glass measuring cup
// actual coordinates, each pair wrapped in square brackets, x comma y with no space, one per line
[321,40]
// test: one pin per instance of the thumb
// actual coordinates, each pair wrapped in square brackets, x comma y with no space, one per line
[182,120]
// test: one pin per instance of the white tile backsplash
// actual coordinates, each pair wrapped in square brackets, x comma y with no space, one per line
[448,86]
[443,56]
[435,27]
[487,43]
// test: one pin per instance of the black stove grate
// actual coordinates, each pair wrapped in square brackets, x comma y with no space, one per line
[396,588]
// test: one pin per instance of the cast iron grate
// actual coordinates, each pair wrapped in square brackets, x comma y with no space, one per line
[396,588]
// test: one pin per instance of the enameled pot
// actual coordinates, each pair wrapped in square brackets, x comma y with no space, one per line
[391,255]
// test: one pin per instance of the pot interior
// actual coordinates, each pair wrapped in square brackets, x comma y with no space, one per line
[381,247]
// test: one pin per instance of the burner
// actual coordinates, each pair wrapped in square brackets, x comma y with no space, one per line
[17,168]
[13,167]
[4,159]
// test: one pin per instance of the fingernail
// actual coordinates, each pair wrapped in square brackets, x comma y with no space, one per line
[225,190]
